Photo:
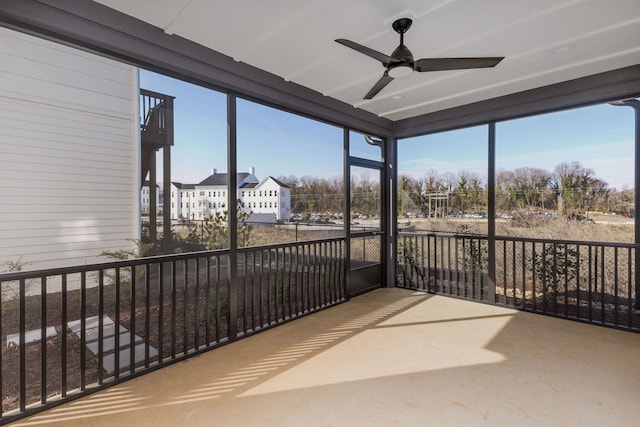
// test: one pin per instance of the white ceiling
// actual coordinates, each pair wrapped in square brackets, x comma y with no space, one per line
[294,39]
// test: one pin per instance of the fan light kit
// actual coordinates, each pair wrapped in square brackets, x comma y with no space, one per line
[401,63]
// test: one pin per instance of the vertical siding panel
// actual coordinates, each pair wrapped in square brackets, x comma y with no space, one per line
[69,152]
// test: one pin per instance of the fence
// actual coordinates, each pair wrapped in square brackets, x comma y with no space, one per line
[586,281]
[70,331]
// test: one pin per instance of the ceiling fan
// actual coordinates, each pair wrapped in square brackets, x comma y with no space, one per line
[401,63]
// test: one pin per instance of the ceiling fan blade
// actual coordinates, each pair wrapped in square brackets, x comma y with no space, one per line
[385,59]
[380,84]
[439,64]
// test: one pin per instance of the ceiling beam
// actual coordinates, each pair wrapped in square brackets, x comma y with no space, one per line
[597,88]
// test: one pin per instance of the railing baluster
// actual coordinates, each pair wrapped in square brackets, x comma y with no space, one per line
[630,282]
[578,296]
[174,306]
[602,288]
[288,267]
[429,265]
[457,268]
[207,303]
[218,290]
[43,340]
[279,296]
[615,286]
[101,324]
[196,307]
[83,328]
[23,358]
[244,255]
[306,302]
[591,275]
[147,312]
[160,285]
[514,272]
[269,293]
[524,275]
[116,355]
[1,363]
[255,290]
[185,310]
[63,337]
[132,319]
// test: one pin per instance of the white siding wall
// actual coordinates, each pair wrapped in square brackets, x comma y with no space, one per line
[69,141]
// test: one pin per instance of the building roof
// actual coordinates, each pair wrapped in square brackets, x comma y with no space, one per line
[280,183]
[221,179]
[182,186]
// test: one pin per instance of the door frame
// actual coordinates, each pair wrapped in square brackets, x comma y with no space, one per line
[364,278]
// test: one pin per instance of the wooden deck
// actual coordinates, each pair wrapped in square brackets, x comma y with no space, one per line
[390,357]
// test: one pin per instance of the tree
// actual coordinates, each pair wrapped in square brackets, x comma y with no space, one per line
[214,231]
[571,183]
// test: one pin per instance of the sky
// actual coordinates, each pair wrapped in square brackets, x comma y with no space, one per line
[600,137]
[278,143]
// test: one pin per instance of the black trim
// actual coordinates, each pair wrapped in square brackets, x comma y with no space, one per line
[594,89]
[97,28]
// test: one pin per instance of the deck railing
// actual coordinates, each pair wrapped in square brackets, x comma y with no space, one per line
[156,112]
[592,282]
[69,331]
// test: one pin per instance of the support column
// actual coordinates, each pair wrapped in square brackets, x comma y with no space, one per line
[390,208]
[491,212]
[232,208]
[635,104]
[167,238]
[153,191]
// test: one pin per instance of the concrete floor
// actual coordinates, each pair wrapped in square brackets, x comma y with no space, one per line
[391,357]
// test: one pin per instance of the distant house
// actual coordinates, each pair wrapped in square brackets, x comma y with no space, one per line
[269,198]
[145,196]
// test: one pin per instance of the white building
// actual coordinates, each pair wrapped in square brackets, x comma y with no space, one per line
[268,198]
[145,196]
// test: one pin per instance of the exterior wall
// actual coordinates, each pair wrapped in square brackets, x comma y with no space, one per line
[269,197]
[69,139]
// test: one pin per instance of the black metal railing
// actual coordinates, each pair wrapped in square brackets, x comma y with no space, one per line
[69,331]
[156,112]
[587,281]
